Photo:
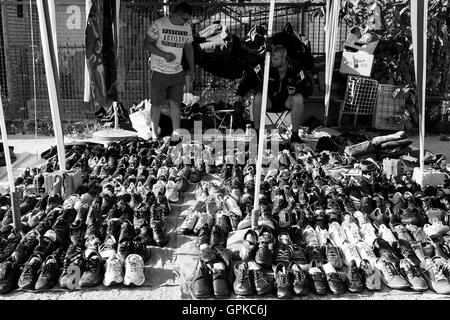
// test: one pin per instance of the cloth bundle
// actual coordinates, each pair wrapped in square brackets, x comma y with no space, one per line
[391,145]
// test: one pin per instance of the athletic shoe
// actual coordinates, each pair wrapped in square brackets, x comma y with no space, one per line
[405,250]
[386,234]
[434,273]
[351,232]
[368,233]
[391,276]
[93,275]
[372,276]
[300,279]
[310,236]
[134,270]
[350,253]
[413,275]
[383,250]
[337,234]
[113,270]
[335,282]
[366,252]
[283,281]
[30,273]
[284,250]
[203,219]
[354,277]
[333,255]
[322,235]
[261,281]
[49,273]
[9,275]
[108,248]
[264,254]
[318,280]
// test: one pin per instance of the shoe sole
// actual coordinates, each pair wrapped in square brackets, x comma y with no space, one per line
[401,287]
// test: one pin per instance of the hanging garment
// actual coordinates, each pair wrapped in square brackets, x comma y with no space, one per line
[101,52]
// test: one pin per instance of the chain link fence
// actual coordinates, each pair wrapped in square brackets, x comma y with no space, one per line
[22,72]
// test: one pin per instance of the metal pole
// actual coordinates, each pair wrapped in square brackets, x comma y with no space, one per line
[51,72]
[9,169]
[263,120]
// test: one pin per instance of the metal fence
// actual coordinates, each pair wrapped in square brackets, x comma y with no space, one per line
[22,72]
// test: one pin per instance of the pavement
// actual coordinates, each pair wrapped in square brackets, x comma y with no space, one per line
[27,149]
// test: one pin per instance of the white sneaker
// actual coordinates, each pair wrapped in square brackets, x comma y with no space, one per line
[113,271]
[204,218]
[386,234]
[352,232]
[350,253]
[368,233]
[361,217]
[232,205]
[188,224]
[337,234]
[159,187]
[310,237]
[435,229]
[134,270]
[366,253]
[322,235]
[402,233]
[172,193]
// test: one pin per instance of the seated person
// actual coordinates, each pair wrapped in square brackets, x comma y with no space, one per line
[288,85]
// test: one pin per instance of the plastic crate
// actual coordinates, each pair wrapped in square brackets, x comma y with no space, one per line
[390,106]
[360,96]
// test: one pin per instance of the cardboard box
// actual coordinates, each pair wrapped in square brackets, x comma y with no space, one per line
[357,63]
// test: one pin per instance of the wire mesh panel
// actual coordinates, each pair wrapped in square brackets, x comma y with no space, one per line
[360,96]
[390,106]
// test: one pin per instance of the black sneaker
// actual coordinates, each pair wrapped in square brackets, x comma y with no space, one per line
[46,244]
[284,251]
[9,275]
[140,247]
[300,280]
[217,236]
[159,232]
[68,277]
[28,204]
[126,237]
[49,273]
[26,246]
[93,275]
[30,273]
[264,254]
[113,227]
[204,236]
[93,221]
[12,241]
[355,281]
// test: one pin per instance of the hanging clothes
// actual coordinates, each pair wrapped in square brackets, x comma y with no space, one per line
[100,46]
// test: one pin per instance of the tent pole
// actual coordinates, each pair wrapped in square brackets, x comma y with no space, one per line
[51,71]
[262,121]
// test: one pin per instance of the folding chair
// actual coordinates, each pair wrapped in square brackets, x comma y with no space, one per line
[278,123]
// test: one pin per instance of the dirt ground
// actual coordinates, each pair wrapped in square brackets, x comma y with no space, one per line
[28,149]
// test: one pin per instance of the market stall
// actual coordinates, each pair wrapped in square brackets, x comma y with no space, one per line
[302,220]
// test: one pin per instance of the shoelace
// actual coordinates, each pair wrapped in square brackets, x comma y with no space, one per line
[243,276]
[333,252]
[299,276]
[284,279]
[354,274]
[284,254]
[258,275]
[134,265]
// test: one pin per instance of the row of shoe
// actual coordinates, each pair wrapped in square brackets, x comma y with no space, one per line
[104,231]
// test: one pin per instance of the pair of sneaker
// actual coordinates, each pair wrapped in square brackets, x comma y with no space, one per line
[128,272]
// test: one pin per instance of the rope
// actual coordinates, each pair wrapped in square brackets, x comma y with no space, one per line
[34,80]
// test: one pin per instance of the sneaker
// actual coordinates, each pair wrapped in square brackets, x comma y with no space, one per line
[12,241]
[333,255]
[242,285]
[300,280]
[434,273]
[310,236]
[318,280]
[203,219]
[264,255]
[247,221]
[402,233]
[202,287]
[26,246]
[262,282]
[224,223]
[383,250]
[108,248]
[220,284]
[335,282]
[337,234]
[30,273]
[134,270]
[322,235]
[159,232]
[405,250]
[436,229]
[391,276]
[69,276]
[350,254]
[283,281]
[411,272]
[265,219]
[351,232]
[113,270]
[232,206]
[354,277]
[49,273]
[372,276]
[368,232]
[93,274]
[366,252]
[284,250]
[386,234]
[9,275]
